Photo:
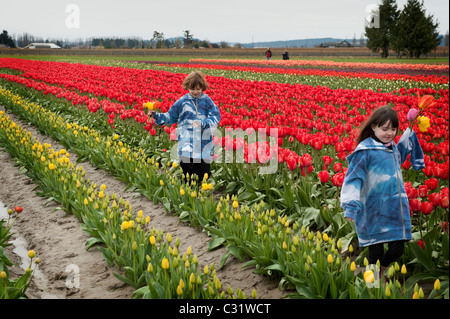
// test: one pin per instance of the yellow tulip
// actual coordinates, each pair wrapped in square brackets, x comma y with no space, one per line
[387,291]
[148,105]
[179,291]
[416,295]
[165,264]
[152,240]
[325,237]
[437,285]
[31,253]
[424,123]
[235,204]
[2,274]
[353,266]
[124,225]
[368,276]
[403,271]
[182,192]
[330,258]
[192,278]
[51,166]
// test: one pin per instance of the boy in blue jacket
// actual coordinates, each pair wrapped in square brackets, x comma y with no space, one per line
[197,117]
[373,195]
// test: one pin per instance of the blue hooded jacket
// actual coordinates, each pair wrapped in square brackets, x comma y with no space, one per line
[373,194]
[193,143]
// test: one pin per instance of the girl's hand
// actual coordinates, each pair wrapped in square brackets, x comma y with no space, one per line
[349,219]
[150,113]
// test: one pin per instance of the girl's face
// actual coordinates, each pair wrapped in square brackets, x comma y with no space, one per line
[386,132]
[196,92]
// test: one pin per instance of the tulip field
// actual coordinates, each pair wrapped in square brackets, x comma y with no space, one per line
[273,197]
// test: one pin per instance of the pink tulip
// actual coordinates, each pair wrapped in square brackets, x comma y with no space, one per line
[412,113]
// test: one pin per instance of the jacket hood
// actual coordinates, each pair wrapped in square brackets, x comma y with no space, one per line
[189,96]
[370,144]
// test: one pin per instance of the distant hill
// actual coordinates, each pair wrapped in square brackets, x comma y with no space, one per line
[299,43]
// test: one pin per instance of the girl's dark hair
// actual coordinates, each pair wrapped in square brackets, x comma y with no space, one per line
[378,118]
[195,79]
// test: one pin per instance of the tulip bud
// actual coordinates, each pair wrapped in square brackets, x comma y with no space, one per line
[387,291]
[437,285]
[2,274]
[330,259]
[391,272]
[369,277]
[403,271]
[353,266]
[31,253]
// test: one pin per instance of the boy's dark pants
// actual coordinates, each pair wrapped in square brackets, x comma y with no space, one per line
[394,252]
[195,167]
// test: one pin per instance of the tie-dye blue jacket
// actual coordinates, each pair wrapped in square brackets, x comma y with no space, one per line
[373,194]
[193,143]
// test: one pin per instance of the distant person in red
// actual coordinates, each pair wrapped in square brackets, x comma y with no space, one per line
[268,54]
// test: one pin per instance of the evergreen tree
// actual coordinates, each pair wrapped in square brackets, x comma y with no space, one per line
[379,36]
[417,33]
[7,40]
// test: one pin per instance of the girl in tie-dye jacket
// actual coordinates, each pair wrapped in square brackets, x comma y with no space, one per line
[197,117]
[373,195]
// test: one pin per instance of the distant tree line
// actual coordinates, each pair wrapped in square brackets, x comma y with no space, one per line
[158,41]
[407,32]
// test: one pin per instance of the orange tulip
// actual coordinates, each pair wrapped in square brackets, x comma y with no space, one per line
[426,101]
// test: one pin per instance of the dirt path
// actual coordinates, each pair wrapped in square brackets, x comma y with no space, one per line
[59,241]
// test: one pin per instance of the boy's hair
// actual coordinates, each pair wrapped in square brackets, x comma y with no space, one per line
[195,79]
[378,118]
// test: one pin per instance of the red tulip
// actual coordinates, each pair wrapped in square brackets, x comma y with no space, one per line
[338,179]
[324,176]
[421,243]
[337,167]
[327,160]
[444,201]
[426,208]
[423,191]
[18,209]
[435,198]
[431,183]
[415,205]
[291,163]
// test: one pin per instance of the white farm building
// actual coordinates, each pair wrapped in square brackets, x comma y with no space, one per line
[42,46]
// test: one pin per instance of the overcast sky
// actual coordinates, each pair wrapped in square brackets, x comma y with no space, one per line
[231,20]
